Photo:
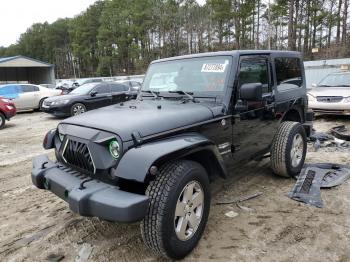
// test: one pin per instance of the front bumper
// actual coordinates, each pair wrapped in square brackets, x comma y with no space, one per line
[338,108]
[10,112]
[94,198]
[60,111]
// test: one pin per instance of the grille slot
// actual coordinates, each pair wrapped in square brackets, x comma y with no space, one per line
[77,154]
[73,172]
[329,99]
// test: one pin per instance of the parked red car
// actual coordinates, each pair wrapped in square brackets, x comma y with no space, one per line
[7,110]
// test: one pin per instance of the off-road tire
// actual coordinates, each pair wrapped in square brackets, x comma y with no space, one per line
[157,228]
[75,105]
[2,120]
[281,162]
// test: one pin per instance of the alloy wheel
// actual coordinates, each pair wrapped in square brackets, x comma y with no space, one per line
[189,210]
[296,153]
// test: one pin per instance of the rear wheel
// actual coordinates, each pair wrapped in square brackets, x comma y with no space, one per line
[178,210]
[78,109]
[2,120]
[288,149]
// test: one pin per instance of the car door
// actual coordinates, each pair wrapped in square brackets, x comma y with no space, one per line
[26,98]
[36,96]
[254,122]
[100,96]
[119,92]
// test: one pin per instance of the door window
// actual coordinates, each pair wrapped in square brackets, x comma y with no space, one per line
[103,89]
[288,73]
[27,88]
[254,70]
[10,91]
[119,88]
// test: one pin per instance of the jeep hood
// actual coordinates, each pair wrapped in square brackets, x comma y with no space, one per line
[146,117]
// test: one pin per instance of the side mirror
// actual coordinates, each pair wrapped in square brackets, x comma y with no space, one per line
[93,93]
[251,92]
[314,85]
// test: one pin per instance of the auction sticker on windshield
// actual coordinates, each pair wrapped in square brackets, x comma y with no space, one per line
[214,68]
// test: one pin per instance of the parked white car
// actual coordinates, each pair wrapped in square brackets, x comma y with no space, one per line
[27,96]
[331,95]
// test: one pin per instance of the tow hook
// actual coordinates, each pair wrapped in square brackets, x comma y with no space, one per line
[43,165]
[81,186]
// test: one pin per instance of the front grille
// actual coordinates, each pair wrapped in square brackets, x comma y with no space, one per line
[328,111]
[329,99]
[73,172]
[77,154]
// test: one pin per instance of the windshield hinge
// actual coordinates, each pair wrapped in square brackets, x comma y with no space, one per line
[136,138]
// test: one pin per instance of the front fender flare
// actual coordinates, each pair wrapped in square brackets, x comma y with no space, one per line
[136,162]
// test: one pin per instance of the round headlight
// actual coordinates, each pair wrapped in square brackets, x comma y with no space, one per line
[114,149]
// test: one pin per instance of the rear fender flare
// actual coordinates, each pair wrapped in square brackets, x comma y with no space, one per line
[136,162]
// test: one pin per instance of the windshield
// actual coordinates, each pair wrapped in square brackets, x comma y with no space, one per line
[194,75]
[84,89]
[335,80]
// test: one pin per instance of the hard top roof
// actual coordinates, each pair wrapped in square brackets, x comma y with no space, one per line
[232,53]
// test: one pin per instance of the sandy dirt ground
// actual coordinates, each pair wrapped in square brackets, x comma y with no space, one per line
[35,224]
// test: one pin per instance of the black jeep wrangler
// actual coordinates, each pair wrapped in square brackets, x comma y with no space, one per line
[151,159]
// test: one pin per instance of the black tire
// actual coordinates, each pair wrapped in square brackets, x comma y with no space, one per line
[76,106]
[158,227]
[41,104]
[2,120]
[282,146]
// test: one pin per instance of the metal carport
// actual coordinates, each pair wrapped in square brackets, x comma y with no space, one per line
[21,69]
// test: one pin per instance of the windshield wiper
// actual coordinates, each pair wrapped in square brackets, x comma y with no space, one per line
[181,92]
[155,94]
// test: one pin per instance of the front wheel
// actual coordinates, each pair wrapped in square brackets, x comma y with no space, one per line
[288,150]
[178,210]
[2,120]
[41,102]
[78,109]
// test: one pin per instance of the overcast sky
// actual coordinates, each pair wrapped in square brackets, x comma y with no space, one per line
[17,15]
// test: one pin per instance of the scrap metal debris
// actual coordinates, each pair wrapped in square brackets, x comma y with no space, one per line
[231,214]
[84,253]
[339,132]
[336,175]
[313,177]
[320,137]
[55,257]
[336,138]
[239,199]
[307,188]
[247,209]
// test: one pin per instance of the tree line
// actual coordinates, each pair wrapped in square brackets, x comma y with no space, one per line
[115,37]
